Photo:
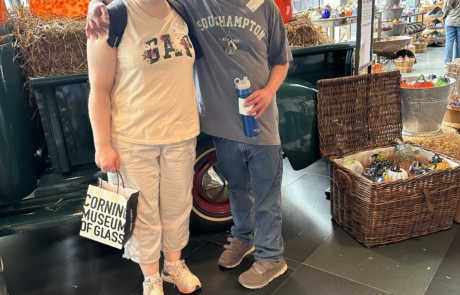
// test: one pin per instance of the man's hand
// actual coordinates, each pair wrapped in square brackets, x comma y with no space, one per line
[260,99]
[94,23]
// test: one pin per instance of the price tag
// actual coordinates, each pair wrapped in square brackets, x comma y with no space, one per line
[254,4]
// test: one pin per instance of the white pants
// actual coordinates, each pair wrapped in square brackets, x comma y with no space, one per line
[163,174]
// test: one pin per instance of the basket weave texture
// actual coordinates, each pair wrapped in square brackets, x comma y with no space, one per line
[452,68]
[421,46]
[404,66]
[453,71]
[360,113]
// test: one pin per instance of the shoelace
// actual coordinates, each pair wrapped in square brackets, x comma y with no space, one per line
[178,269]
[152,284]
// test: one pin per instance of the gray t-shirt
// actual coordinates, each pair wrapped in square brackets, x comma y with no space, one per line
[262,43]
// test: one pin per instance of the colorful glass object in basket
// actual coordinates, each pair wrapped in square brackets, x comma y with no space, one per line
[59,8]
[403,151]
[3,12]
[285,7]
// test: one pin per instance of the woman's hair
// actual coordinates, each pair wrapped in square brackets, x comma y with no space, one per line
[453,3]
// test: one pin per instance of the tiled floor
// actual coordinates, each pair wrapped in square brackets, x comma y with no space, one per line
[322,258]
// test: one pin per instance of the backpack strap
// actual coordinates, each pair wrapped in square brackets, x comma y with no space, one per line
[118,20]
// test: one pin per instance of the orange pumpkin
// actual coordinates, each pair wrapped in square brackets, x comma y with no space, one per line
[441,166]
[3,12]
[285,7]
[52,8]
[377,68]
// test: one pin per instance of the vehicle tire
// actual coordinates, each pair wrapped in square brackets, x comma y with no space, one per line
[211,205]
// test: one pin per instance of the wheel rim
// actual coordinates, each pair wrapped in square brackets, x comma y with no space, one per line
[209,189]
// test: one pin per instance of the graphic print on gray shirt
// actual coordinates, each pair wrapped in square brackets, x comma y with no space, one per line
[262,43]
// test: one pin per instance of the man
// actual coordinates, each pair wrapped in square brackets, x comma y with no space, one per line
[241,38]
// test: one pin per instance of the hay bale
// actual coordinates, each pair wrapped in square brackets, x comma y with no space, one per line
[301,32]
[446,143]
[49,47]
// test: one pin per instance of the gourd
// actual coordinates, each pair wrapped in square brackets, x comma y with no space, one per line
[377,68]
[353,164]
[397,173]
[441,166]
[438,163]
[386,177]
[403,151]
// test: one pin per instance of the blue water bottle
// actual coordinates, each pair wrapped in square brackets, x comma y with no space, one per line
[243,89]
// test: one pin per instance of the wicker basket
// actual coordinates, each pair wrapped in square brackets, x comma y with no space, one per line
[361,113]
[452,68]
[404,65]
[420,47]
[453,71]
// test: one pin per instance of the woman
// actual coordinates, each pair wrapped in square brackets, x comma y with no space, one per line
[144,118]
[452,24]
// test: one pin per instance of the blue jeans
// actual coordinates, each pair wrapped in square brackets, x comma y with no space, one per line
[254,173]
[452,41]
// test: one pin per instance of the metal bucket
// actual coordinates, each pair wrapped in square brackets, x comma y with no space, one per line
[398,30]
[390,14]
[390,3]
[423,109]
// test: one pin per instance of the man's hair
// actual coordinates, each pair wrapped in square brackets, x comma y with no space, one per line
[453,3]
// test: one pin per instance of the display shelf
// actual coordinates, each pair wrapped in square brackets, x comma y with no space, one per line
[435,29]
[419,18]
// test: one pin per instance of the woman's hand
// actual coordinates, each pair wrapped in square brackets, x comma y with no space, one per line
[107,159]
[94,23]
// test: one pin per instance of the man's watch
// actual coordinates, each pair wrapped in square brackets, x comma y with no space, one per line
[104,2]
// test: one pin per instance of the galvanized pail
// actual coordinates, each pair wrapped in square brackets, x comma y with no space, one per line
[423,109]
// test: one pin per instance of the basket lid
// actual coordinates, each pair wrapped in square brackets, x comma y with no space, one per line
[359,112]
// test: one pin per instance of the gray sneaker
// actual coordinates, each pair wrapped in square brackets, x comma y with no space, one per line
[261,273]
[234,253]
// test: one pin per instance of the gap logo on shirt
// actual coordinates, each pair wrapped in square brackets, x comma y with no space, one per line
[173,45]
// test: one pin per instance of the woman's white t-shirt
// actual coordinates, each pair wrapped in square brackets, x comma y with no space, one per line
[153,96]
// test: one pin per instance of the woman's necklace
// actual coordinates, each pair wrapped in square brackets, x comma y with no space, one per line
[231,46]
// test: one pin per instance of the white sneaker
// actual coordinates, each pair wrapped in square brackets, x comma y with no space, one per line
[179,275]
[154,287]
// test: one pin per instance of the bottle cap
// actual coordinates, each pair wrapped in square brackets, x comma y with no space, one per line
[242,84]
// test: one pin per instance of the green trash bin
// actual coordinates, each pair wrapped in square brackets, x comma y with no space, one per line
[20,131]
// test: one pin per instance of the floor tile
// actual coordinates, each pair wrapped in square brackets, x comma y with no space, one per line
[310,281]
[404,268]
[320,167]
[290,175]
[220,281]
[446,281]
[306,216]
[96,269]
